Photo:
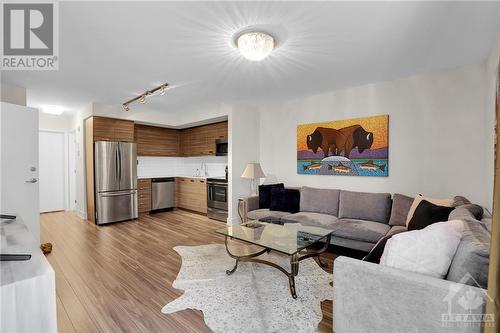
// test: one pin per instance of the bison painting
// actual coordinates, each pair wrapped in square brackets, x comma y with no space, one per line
[341,140]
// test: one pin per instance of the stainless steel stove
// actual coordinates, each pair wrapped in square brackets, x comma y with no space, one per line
[217,198]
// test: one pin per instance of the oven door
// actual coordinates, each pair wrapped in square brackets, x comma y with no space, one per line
[217,195]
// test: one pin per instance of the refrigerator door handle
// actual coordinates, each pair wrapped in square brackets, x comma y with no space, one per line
[116,165]
[118,151]
[115,194]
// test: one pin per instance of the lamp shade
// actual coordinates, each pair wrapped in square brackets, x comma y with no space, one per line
[253,171]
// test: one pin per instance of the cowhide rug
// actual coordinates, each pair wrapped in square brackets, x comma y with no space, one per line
[255,298]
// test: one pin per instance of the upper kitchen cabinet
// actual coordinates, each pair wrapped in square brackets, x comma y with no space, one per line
[220,130]
[200,141]
[157,141]
[109,129]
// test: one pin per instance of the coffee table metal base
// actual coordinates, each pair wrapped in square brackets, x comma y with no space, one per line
[294,261]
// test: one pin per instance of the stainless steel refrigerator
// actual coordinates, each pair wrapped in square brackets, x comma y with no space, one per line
[115,181]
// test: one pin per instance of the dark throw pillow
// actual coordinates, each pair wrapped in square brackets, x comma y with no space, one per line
[285,200]
[265,194]
[377,251]
[428,213]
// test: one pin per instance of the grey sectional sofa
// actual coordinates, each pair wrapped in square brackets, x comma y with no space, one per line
[358,219]
[374,298]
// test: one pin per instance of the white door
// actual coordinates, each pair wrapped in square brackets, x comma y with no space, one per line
[19,164]
[72,170]
[52,171]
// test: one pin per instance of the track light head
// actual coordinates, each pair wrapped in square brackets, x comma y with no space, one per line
[163,90]
[142,98]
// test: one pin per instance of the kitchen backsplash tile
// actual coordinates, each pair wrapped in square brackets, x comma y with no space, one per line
[179,166]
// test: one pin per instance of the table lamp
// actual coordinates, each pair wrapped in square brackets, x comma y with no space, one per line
[253,171]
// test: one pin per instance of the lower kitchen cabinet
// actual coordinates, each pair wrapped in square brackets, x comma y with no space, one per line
[144,191]
[191,194]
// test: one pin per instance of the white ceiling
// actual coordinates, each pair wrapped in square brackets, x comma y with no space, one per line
[112,51]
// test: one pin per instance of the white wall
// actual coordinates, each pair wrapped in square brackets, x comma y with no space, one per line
[243,148]
[13,94]
[79,128]
[150,166]
[440,134]
[62,122]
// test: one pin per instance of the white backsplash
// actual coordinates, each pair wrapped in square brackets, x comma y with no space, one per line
[179,166]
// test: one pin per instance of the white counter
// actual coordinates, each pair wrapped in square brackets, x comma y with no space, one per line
[27,288]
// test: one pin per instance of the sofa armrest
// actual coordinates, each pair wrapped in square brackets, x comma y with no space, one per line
[246,205]
[375,298]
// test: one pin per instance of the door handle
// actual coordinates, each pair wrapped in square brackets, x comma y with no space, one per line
[32,180]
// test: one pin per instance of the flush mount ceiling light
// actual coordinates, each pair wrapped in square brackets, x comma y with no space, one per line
[142,98]
[52,109]
[255,45]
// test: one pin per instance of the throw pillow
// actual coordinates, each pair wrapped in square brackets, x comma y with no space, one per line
[285,200]
[428,213]
[265,194]
[401,205]
[420,197]
[428,251]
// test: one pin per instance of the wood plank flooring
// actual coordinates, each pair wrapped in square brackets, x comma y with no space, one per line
[116,278]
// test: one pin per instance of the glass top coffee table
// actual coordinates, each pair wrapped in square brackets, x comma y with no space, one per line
[289,239]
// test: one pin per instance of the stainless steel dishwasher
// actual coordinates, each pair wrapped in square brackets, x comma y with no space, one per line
[162,194]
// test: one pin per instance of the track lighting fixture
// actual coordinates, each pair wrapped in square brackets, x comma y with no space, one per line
[142,98]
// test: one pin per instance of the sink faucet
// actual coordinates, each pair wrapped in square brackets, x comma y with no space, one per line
[203,169]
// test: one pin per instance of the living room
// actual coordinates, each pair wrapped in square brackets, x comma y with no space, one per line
[349,145]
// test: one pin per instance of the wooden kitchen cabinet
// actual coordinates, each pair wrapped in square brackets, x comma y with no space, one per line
[109,129]
[157,141]
[191,194]
[144,194]
[200,141]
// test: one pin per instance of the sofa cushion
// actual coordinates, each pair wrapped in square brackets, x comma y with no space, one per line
[472,256]
[467,211]
[311,219]
[285,200]
[366,231]
[459,200]
[265,194]
[317,200]
[365,206]
[428,213]
[396,229]
[265,212]
[400,207]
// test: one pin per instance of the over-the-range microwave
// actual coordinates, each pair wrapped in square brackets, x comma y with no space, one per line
[221,147]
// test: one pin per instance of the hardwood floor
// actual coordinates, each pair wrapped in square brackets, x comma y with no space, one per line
[116,278]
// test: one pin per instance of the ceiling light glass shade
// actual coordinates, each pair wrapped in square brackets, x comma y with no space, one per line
[255,46]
